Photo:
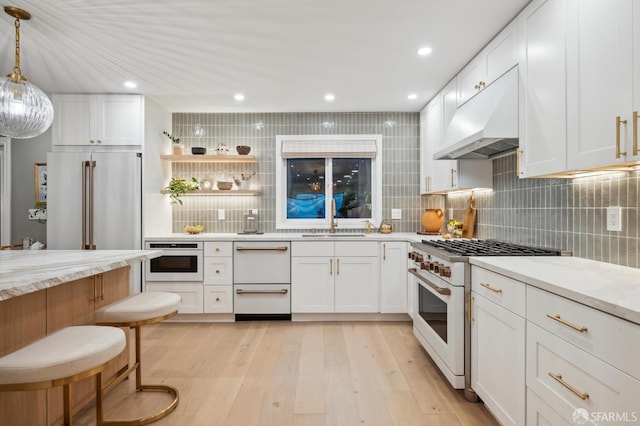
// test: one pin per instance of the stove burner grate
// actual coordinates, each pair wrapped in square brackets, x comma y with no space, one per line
[488,248]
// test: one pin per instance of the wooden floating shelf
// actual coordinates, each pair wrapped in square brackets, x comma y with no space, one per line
[210,158]
[218,192]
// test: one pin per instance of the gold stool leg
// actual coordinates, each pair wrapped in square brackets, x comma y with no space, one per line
[66,397]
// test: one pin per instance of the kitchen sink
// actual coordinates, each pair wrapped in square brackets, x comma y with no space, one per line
[341,235]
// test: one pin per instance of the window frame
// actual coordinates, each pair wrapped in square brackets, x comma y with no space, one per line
[282,222]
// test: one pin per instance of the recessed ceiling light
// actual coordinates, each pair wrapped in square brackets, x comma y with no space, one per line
[329,97]
[238,97]
[130,84]
[412,96]
[425,51]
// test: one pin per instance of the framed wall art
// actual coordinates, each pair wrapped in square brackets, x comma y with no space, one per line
[40,179]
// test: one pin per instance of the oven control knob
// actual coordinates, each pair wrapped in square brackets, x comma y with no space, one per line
[445,271]
[436,267]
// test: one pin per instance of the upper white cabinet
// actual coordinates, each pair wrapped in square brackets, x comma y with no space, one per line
[542,110]
[601,39]
[95,120]
[446,175]
[500,55]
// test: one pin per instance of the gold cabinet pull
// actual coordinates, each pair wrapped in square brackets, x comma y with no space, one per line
[453,171]
[482,84]
[469,313]
[518,161]
[576,392]
[337,266]
[330,266]
[619,121]
[562,321]
[635,132]
[95,296]
[384,251]
[489,287]
[217,271]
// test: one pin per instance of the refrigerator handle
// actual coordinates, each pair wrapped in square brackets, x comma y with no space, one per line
[92,165]
[85,164]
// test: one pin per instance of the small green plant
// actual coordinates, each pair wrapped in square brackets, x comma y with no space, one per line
[178,187]
[173,138]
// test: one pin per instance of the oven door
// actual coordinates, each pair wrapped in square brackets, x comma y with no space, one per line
[176,264]
[438,324]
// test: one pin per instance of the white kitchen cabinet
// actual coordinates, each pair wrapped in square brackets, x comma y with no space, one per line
[191,294]
[542,100]
[440,176]
[600,76]
[329,276]
[500,55]
[97,120]
[498,344]
[218,277]
[393,277]
[540,414]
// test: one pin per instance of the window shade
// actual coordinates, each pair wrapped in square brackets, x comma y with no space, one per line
[329,148]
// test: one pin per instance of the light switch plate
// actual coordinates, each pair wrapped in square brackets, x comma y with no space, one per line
[614,219]
[220,214]
[396,213]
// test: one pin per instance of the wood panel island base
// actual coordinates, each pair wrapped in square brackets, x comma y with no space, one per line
[43,292]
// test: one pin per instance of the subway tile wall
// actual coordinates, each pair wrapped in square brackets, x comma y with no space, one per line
[568,214]
[400,167]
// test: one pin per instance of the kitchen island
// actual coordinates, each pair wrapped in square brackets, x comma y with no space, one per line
[44,291]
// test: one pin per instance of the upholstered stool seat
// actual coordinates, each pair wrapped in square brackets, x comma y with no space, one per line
[135,311]
[61,358]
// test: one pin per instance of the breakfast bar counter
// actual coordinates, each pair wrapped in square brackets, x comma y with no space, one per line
[42,291]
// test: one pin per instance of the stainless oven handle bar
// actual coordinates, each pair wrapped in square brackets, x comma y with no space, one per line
[283,248]
[439,290]
[283,291]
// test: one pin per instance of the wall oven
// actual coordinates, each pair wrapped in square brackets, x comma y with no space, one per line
[180,261]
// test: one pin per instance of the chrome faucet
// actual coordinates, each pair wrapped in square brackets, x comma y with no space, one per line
[334,222]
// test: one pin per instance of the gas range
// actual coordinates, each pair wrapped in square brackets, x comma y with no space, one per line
[441,277]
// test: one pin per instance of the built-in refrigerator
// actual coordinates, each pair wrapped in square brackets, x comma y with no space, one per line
[94,202]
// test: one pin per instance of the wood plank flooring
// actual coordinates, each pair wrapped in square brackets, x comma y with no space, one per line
[291,373]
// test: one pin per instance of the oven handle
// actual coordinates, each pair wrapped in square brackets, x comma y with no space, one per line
[439,290]
[283,291]
[282,248]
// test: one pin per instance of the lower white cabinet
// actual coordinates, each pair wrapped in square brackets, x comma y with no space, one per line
[329,276]
[540,414]
[498,360]
[218,299]
[393,277]
[191,294]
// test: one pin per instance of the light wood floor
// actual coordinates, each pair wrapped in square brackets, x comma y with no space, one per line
[292,373]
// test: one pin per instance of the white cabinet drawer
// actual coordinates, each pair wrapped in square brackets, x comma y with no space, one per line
[502,290]
[540,414]
[190,295]
[218,299]
[609,338]
[262,298]
[218,248]
[311,248]
[588,382]
[218,270]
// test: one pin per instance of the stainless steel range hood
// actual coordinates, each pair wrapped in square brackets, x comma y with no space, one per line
[487,124]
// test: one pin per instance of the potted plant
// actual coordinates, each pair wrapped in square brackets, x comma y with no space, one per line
[178,148]
[178,187]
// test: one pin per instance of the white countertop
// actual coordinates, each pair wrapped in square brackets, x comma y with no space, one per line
[610,288]
[26,271]
[280,236]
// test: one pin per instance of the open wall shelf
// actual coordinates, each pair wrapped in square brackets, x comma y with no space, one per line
[210,158]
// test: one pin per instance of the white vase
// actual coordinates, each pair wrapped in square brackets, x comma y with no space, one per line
[244,185]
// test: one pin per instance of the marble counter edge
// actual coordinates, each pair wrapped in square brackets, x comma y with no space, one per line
[99,261]
[399,236]
[631,314]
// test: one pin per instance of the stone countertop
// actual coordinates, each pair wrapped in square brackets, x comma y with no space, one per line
[607,287]
[27,271]
[281,236]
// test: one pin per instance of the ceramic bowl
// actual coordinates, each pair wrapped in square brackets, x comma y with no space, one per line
[224,186]
[197,150]
[195,229]
[243,149]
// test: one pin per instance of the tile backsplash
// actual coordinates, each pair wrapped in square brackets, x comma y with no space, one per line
[568,214]
[400,167]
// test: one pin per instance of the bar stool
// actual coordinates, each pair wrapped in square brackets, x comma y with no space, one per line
[61,358]
[133,312]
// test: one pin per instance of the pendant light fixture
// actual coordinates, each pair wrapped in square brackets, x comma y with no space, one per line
[25,110]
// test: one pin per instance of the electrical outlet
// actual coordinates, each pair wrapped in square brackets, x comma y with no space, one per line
[253,211]
[450,214]
[220,214]
[614,219]
[396,213]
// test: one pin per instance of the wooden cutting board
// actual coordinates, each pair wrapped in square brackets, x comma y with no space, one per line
[469,219]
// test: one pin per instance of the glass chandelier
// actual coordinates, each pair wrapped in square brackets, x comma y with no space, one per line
[25,110]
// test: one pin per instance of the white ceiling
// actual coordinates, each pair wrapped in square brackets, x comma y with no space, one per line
[283,55]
